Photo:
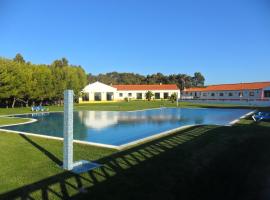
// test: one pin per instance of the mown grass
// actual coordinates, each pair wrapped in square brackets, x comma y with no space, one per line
[26,160]
[11,120]
[205,162]
[121,106]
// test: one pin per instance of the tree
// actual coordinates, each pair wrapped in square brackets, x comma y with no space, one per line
[7,78]
[14,83]
[198,79]
[156,78]
[149,95]
[19,58]
[43,87]
[173,97]
[26,82]
[182,80]
[63,62]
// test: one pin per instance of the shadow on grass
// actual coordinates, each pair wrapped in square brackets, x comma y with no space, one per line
[113,165]
[206,162]
[44,151]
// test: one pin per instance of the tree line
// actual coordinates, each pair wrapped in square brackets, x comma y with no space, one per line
[24,83]
[182,80]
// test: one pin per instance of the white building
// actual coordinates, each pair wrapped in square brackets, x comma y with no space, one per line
[257,94]
[98,91]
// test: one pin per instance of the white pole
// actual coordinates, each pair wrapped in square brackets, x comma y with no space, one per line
[68,130]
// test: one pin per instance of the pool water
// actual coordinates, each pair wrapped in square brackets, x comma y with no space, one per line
[118,128]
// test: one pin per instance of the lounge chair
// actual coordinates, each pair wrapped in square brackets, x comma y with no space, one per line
[261,116]
[38,108]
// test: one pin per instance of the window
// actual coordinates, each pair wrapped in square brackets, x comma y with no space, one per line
[251,94]
[85,97]
[120,94]
[212,94]
[221,94]
[230,94]
[139,95]
[267,93]
[97,96]
[204,94]
[129,94]
[157,95]
[109,96]
[240,94]
[166,95]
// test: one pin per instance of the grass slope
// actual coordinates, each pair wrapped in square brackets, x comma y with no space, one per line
[206,162]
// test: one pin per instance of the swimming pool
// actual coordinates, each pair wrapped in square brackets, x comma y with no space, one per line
[121,128]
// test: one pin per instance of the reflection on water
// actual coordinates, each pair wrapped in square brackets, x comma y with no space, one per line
[103,119]
[39,114]
[98,120]
[117,128]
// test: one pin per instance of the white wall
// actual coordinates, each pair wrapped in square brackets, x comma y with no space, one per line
[257,100]
[250,102]
[134,93]
[235,94]
[92,88]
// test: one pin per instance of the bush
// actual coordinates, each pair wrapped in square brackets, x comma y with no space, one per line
[173,97]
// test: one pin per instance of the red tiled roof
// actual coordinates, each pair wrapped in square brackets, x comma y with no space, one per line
[236,86]
[195,89]
[147,87]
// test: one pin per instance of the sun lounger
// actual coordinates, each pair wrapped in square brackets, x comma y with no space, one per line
[38,108]
[261,116]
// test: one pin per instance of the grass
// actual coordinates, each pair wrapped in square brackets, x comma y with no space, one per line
[121,106]
[11,120]
[204,162]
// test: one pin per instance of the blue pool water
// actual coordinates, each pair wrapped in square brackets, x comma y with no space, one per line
[118,128]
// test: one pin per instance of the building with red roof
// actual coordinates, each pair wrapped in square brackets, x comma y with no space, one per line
[101,92]
[256,93]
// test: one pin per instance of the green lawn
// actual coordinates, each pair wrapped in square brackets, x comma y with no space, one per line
[205,162]
[11,120]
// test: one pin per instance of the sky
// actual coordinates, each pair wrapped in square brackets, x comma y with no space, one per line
[228,41]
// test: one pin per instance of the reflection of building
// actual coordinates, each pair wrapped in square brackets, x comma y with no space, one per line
[98,119]
[257,93]
[101,92]
[103,119]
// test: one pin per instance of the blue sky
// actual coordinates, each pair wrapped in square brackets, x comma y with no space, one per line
[227,40]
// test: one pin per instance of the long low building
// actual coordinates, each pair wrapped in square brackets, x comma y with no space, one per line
[257,93]
[98,91]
